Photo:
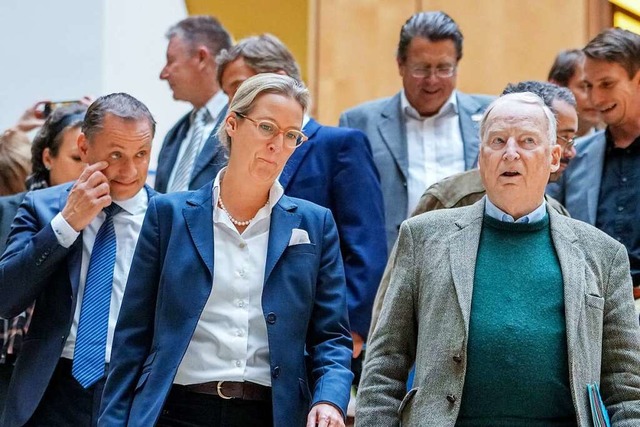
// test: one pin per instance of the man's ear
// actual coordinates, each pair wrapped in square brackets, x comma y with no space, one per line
[203,56]
[400,67]
[556,154]
[83,147]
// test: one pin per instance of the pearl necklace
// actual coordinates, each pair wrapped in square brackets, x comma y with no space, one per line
[232,219]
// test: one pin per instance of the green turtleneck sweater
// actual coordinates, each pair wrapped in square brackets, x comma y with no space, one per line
[517,363]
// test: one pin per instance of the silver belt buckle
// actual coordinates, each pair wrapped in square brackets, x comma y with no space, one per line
[219,390]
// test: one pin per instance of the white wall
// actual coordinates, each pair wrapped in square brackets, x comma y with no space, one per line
[70,48]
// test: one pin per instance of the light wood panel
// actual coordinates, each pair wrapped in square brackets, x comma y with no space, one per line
[505,41]
[355,56]
[509,41]
[287,19]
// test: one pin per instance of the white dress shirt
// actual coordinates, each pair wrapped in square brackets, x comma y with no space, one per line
[127,225]
[230,341]
[495,212]
[435,147]
[215,106]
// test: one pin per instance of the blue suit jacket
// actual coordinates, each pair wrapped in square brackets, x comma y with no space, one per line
[303,303]
[35,267]
[579,187]
[211,159]
[383,123]
[335,169]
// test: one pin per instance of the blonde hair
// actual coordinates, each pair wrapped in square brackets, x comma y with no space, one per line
[15,161]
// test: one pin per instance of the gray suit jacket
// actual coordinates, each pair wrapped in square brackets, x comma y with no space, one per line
[382,121]
[579,187]
[425,319]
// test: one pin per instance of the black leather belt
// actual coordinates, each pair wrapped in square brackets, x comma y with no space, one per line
[232,390]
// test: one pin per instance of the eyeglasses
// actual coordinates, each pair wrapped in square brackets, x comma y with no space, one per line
[568,142]
[266,129]
[440,72]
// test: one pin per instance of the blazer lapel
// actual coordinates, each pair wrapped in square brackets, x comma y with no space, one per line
[211,147]
[198,215]
[283,221]
[572,265]
[466,242]
[298,156]
[394,134]
[595,160]
[469,115]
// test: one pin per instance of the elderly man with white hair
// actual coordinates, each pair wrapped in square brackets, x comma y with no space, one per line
[510,311]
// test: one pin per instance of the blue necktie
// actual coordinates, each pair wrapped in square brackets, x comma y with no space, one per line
[91,340]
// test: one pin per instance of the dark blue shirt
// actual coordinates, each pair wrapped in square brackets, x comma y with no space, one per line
[619,203]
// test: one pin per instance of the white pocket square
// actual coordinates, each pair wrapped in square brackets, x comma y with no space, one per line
[299,237]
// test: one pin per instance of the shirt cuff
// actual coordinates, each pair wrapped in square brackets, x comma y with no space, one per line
[65,234]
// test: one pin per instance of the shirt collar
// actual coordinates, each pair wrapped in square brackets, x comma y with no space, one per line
[275,193]
[450,107]
[215,105]
[495,212]
[136,204]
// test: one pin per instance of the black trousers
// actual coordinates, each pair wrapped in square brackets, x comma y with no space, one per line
[66,402]
[184,408]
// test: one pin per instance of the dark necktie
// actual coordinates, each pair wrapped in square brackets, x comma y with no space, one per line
[91,340]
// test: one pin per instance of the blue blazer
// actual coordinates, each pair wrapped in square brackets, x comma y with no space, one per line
[382,121]
[303,302]
[579,187]
[335,169]
[35,267]
[211,159]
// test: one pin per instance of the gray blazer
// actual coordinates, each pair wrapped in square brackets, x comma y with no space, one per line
[382,121]
[579,187]
[425,318]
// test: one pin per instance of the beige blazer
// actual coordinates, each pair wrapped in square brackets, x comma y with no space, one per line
[425,318]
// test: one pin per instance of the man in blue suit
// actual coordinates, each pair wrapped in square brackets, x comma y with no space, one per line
[334,169]
[600,186]
[427,131]
[69,249]
[190,155]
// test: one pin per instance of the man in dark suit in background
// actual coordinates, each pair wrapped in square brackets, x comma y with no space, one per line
[191,155]
[334,169]
[428,130]
[70,249]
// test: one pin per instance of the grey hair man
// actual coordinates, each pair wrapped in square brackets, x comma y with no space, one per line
[334,169]
[70,249]
[508,309]
[191,155]
[428,130]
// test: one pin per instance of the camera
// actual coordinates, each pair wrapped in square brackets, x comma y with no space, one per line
[44,109]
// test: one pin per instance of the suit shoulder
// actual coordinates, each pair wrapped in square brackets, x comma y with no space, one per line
[587,142]
[335,135]
[304,206]
[367,108]
[589,237]
[438,220]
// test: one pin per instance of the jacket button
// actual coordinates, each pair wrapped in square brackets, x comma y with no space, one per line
[451,398]
[271,318]
[276,372]
[457,358]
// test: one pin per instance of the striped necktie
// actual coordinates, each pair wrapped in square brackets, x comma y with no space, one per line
[91,341]
[187,162]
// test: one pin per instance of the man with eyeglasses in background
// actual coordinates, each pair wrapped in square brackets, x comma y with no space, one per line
[428,130]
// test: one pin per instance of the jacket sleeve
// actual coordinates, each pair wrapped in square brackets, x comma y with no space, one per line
[392,346]
[358,209]
[32,256]
[620,375]
[131,352]
[328,339]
